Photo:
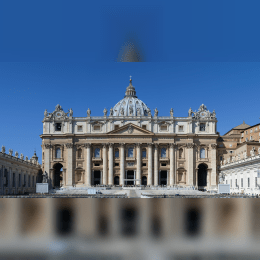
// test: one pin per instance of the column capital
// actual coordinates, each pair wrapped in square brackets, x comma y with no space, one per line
[138,145]
[104,145]
[47,146]
[111,145]
[172,145]
[149,144]
[87,145]
[190,145]
[69,145]
[122,145]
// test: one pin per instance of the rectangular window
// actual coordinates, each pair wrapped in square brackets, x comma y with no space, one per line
[58,127]
[97,127]
[202,127]
[117,153]
[144,164]
[248,182]
[242,135]
[242,183]
[163,127]
[116,127]
[130,152]
[221,158]
[251,130]
[164,164]
[180,128]
[144,154]
[144,126]
[13,179]
[116,164]
[96,164]
[251,137]
[246,132]
[80,128]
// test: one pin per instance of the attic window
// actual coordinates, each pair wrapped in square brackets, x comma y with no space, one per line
[163,127]
[58,127]
[116,127]
[97,127]
[144,126]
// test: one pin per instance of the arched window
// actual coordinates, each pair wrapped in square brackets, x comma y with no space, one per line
[202,153]
[144,153]
[97,153]
[163,152]
[180,153]
[58,153]
[80,153]
[130,152]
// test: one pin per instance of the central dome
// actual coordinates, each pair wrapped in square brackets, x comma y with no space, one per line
[130,105]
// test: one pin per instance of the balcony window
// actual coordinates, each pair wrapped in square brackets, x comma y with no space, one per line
[130,152]
[163,152]
[202,153]
[180,153]
[144,153]
[58,127]
[203,127]
[116,153]
[58,153]
[97,153]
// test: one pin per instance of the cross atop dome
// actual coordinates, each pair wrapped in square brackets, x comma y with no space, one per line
[130,90]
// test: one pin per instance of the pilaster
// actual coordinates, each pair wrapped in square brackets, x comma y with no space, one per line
[138,169]
[69,166]
[111,164]
[88,165]
[122,163]
[172,179]
[190,163]
[104,164]
[156,165]
[150,165]
[213,165]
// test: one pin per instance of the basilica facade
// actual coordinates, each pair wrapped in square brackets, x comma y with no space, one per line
[130,146]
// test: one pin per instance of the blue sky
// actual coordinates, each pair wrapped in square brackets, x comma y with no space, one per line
[68,52]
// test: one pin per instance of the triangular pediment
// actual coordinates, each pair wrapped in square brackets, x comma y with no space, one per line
[130,129]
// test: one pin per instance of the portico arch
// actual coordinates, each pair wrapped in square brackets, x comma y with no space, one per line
[202,175]
[58,175]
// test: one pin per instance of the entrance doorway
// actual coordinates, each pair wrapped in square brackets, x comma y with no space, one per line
[144,180]
[163,178]
[57,178]
[202,176]
[116,180]
[130,175]
[97,177]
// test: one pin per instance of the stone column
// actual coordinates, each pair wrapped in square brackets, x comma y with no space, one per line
[47,148]
[213,183]
[69,166]
[122,163]
[138,163]
[156,177]
[88,165]
[190,168]
[172,181]
[104,164]
[150,165]
[111,164]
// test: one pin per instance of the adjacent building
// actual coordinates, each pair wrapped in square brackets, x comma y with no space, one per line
[130,146]
[18,175]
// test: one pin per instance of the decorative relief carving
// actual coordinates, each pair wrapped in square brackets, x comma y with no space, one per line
[214,146]
[130,129]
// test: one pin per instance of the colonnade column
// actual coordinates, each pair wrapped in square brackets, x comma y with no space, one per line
[190,169]
[138,162]
[69,166]
[104,164]
[88,165]
[213,166]
[111,165]
[150,165]
[122,163]
[172,181]
[156,165]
